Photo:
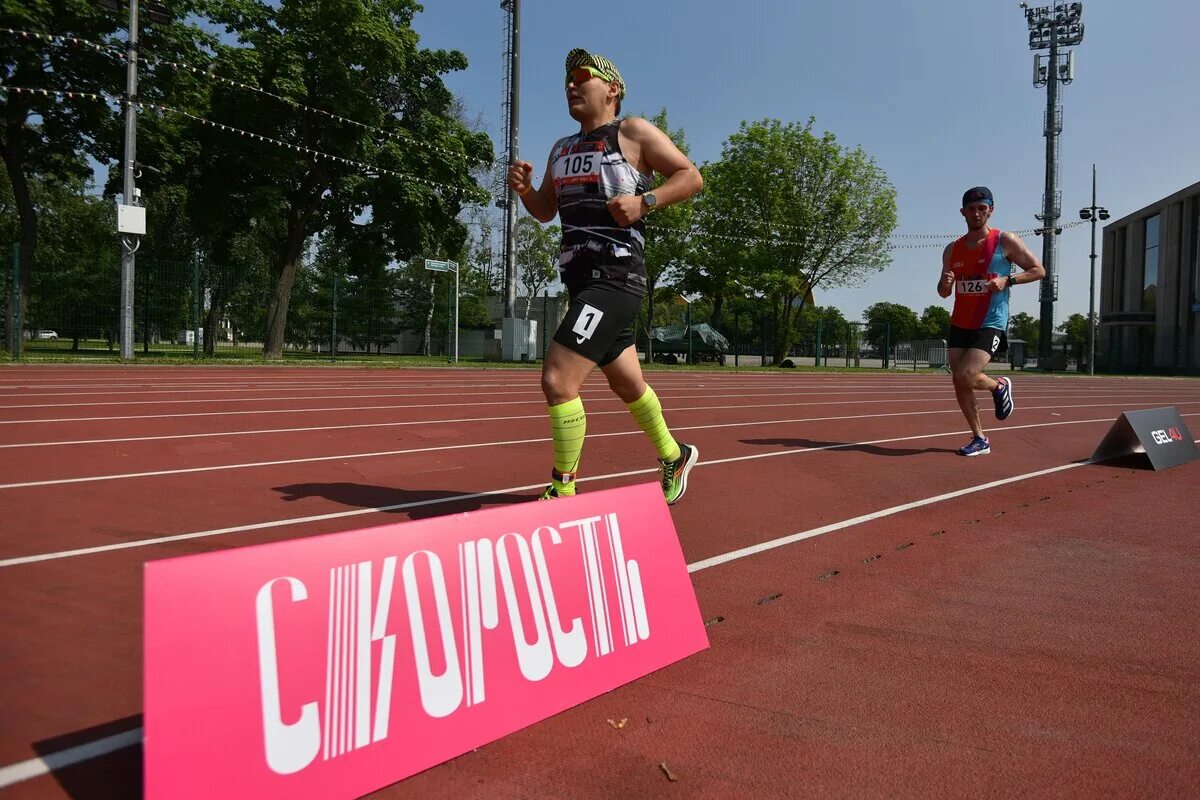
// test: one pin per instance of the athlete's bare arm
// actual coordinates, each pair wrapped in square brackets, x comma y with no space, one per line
[946,282]
[650,150]
[541,203]
[1020,255]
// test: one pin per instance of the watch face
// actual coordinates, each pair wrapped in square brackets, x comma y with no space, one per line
[650,199]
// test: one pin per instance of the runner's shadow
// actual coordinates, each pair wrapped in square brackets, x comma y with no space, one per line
[113,775]
[871,449]
[417,504]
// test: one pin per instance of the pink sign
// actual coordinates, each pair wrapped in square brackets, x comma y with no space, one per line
[329,666]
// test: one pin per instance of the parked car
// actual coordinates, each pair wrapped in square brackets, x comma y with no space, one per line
[45,335]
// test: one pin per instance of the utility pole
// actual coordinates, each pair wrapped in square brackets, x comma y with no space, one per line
[129,231]
[131,215]
[1052,27]
[512,137]
[1092,212]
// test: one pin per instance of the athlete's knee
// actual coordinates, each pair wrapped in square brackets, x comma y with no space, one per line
[556,386]
[965,377]
[629,388]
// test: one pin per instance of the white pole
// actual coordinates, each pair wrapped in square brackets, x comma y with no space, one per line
[455,311]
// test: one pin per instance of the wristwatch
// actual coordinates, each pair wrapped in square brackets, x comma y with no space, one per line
[650,200]
[1012,281]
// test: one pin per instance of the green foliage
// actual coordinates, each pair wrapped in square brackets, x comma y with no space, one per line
[537,256]
[1023,326]
[890,322]
[786,211]
[934,324]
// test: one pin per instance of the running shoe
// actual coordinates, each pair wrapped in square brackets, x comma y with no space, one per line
[1003,398]
[675,473]
[978,446]
[559,483]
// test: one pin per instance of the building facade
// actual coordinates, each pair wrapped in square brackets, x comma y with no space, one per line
[1149,296]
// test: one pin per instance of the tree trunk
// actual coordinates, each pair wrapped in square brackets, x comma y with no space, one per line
[718,310]
[216,303]
[210,330]
[785,324]
[426,339]
[284,271]
[650,326]
[15,163]
[782,328]
[281,296]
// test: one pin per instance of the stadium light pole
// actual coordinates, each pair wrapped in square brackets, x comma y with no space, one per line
[512,130]
[1052,27]
[131,216]
[129,239]
[1092,212]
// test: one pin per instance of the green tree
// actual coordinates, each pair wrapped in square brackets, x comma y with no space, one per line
[889,322]
[537,257]
[362,62]
[77,265]
[720,257]
[1023,326]
[49,137]
[789,211]
[830,318]
[668,237]
[45,137]
[934,324]
[474,288]
[1076,329]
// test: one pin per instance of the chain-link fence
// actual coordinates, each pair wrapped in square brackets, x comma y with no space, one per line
[749,341]
[203,309]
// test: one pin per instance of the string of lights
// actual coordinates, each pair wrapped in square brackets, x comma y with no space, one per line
[238,131]
[206,72]
[61,41]
[942,236]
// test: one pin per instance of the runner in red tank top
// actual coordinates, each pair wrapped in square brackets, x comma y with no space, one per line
[978,269]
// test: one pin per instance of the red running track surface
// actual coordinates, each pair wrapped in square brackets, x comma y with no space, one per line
[1035,637]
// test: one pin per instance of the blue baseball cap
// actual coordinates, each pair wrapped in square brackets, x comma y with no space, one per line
[979,194]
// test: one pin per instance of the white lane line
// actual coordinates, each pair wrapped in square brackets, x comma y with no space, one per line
[46,764]
[473,379]
[35,767]
[782,541]
[476,445]
[279,523]
[605,398]
[665,395]
[165,388]
[461,420]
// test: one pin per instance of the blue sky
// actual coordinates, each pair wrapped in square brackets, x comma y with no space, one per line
[938,91]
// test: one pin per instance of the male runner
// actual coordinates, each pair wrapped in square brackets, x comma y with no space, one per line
[596,181]
[978,269]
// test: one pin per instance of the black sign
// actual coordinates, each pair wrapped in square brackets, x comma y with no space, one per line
[1157,432]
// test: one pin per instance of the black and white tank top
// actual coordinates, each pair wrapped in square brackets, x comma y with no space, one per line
[588,171]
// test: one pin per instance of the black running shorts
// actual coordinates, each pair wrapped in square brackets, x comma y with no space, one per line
[599,321]
[989,340]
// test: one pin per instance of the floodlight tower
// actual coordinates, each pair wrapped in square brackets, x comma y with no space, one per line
[1050,28]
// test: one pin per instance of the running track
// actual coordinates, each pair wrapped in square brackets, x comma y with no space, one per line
[888,619]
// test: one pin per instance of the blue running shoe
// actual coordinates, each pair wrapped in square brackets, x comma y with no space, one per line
[1003,398]
[978,446]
